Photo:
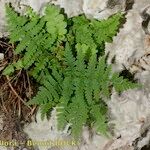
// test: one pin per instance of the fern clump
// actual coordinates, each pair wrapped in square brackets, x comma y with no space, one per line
[65,55]
[79,93]
[36,37]
[94,32]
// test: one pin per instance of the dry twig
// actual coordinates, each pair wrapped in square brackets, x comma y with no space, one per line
[13,90]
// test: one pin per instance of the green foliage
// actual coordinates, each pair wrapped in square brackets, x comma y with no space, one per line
[80,95]
[65,57]
[36,38]
[94,32]
[106,29]
[57,27]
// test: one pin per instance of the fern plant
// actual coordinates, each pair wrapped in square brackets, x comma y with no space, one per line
[36,37]
[94,32]
[79,92]
[65,56]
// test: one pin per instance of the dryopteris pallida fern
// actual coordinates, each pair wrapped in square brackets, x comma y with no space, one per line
[64,56]
[38,38]
[93,32]
[79,92]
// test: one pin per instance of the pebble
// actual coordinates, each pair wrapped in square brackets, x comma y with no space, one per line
[1,56]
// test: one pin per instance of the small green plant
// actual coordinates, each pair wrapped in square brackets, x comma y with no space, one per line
[38,39]
[66,56]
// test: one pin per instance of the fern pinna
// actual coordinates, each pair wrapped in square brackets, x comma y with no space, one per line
[64,55]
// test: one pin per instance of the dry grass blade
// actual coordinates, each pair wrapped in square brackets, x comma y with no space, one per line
[13,90]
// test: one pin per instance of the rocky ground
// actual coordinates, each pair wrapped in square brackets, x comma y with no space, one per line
[129,112]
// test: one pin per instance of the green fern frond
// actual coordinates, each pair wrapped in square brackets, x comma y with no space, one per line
[62,113]
[105,30]
[45,109]
[41,97]
[32,33]
[77,115]
[82,31]
[55,23]
[121,84]
[93,32]
[15,23]
[90,86]
[67,86]
[100,119]
[48,95]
